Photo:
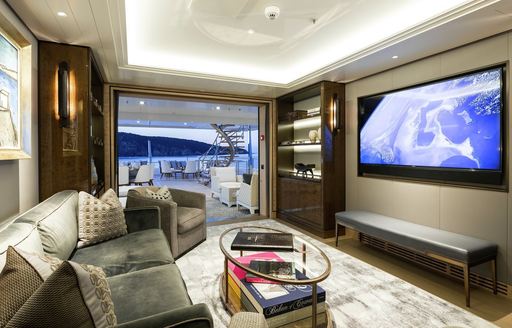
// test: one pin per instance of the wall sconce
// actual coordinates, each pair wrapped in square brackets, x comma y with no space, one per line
[63,93]
[336,122]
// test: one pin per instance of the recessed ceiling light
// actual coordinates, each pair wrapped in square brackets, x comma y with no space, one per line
[395,57]
[250,31]
[217,108]
[62,14]
[141,102]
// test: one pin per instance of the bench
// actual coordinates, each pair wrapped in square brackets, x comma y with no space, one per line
[451,248]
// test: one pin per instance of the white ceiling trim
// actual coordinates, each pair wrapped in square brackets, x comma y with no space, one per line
[118,22]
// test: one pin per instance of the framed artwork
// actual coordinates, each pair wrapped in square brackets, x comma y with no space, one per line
[12,131]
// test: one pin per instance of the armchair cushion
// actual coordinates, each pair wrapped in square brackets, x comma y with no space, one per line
[163,289]
[163,193]
[142,218]
[131,252]
[189,218]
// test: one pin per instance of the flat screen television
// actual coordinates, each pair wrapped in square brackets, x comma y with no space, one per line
[449,130]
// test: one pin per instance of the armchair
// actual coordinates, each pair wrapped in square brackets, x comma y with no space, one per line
[248,194]
[219,175]
[183,219]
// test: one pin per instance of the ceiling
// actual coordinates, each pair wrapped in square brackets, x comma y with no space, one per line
[229,46]
[137,111]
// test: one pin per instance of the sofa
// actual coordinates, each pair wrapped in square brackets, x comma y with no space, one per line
[183,218]
[146,285]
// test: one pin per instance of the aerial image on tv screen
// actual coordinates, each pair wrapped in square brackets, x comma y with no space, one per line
[454,123]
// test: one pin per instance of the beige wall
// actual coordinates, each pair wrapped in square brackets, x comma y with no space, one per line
[478,213]
[19,178]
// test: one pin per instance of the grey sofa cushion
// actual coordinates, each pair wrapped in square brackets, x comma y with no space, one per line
[56,221]
[131,252]
[189,218]
[148,292]
[422,238]
[22,235]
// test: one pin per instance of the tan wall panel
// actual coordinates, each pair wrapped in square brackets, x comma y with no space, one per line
[477,213]
[421,200]
[480,54]
[424,70]
[376,195]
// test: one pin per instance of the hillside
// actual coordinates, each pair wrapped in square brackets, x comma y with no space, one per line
[132,145]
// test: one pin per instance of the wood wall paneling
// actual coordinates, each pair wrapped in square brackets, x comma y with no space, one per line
[62,169]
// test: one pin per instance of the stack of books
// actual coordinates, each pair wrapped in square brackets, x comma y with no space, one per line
[280,304]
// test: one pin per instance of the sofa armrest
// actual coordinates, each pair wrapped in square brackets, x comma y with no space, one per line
[187,198]
[193,316]
[142,218]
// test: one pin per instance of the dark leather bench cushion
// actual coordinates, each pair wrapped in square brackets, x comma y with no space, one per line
[418,237]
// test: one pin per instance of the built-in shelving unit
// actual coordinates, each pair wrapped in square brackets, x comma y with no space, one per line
[67,153]
[306,139]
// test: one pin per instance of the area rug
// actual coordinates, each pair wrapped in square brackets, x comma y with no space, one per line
[358,294]
[216,211]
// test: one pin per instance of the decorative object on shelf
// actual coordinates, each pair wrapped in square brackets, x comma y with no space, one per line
[296,115]
[63,94]
[94,173]
[335,113]
[313,135]
[313,112]
[319,134]
[13,130]
[304,169]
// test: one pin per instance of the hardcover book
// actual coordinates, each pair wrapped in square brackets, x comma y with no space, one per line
[278,269]
[260,241]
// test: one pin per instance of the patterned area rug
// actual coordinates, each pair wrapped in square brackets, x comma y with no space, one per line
[359,295]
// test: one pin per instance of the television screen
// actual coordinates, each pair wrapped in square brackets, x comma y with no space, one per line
[451,125]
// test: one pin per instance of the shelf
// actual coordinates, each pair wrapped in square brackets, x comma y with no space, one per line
[286,121]
[302,144]
[295,176]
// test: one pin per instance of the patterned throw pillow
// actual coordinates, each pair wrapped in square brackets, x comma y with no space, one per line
[99,219]
[22,275]
[75,295]
[163,194]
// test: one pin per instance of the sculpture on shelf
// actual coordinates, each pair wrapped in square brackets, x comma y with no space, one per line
[313,136]
[304,169]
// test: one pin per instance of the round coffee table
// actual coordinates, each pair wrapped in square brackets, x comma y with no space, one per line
[307,258]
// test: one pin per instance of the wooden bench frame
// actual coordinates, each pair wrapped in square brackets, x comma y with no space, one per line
[466,268]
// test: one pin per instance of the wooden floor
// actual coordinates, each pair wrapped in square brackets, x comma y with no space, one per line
[494,308]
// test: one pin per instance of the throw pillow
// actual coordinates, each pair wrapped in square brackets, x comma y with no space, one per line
[75,295]
[99,219]
[22,275]
[163,194]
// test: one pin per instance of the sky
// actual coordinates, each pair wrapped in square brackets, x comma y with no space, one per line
[203,135]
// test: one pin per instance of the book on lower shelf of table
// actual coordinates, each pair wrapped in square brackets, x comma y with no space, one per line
[280,304]
[263,241]
[278,269]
